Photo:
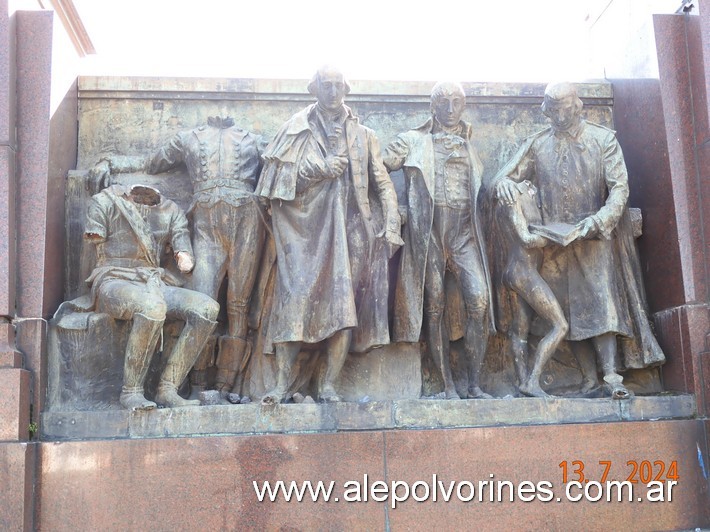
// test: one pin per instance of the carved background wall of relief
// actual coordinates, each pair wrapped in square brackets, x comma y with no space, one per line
[134,116]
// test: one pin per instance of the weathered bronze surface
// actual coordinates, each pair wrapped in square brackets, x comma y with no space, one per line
[228,227]
[335,224]
[443,233]
[299,241]
[588,265]
[131,229]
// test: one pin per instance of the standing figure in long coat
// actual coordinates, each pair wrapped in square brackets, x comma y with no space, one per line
[579,171]
[443,176]
[331,201]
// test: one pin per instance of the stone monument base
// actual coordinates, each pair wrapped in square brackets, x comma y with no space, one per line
[348,417]
[207,483]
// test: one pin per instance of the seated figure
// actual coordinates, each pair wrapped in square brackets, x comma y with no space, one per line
[131,228]
[223,162]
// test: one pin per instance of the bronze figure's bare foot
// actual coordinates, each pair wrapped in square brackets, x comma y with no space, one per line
[168,396]
[451,393]
[195,392]
[588,385]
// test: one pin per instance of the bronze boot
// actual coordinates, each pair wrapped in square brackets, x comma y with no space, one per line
[198,374]
[139,350]
[187,348]
[229,360]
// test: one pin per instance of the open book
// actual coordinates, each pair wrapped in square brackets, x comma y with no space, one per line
[558,232]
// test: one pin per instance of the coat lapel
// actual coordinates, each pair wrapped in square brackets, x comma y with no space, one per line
[422,158]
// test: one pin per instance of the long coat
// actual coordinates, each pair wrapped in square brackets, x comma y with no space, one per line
[318,234]
[598,281]
[414,152]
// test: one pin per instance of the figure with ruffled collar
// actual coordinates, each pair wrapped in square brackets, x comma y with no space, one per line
[580,175]
[442,233]
[335,223]
[223,162]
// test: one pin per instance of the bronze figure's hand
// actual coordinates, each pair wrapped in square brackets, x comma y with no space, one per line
[507,192]
[99,176]
[394,238]
[185,262]
[588,229]
[336,165]
[536,241]
[403,214]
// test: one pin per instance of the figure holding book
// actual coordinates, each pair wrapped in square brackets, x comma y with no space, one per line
[579,171]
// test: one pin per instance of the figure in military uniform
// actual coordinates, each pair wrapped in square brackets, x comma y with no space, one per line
[223,162]
[130,229]
[443,176]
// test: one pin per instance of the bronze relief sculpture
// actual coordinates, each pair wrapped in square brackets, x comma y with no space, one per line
[334,216]
[130,229]
[442,233]
[320,205]
[228,226]
[592,270]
